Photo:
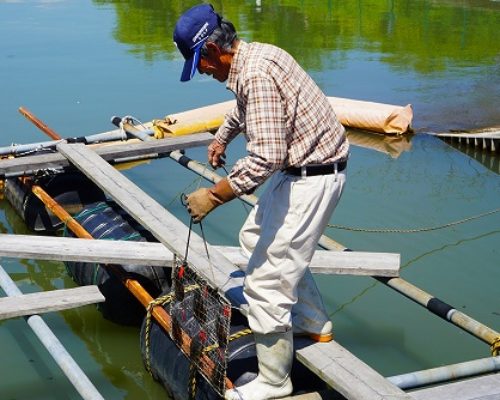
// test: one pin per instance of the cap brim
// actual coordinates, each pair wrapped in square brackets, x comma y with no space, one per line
[191,64]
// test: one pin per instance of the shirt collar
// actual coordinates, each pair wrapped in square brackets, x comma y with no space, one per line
[236,65]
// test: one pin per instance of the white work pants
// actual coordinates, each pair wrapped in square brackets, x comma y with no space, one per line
[280,235]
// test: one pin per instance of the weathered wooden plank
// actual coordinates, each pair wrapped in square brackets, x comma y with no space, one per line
[324,395]
[484,387]
[54,300]
[347,374]
[31,164]
[74,249]
[338,262]
[156,254]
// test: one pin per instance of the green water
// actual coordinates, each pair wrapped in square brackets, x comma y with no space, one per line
[74,64]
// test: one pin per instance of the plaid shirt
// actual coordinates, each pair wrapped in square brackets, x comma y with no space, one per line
[285,117]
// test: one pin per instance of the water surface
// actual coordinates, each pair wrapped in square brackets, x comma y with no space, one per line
[76,63]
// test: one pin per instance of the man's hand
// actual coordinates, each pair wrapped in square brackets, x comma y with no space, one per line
[202,201]
[216,154]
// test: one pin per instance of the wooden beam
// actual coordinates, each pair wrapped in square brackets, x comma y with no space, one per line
[338,262]
[347,374]
[92,251]
[43,302]
[156,254]
[324,395]
[154,148]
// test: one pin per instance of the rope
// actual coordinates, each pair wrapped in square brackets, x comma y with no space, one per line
[160,301]
[433,228]
[495,347]
[195,181]
[232,337]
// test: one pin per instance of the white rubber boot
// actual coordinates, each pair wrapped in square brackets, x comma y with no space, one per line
[274,356]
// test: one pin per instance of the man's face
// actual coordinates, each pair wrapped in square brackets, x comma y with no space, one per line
[215,63]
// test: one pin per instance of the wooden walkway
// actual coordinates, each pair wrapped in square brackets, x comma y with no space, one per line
[487,141]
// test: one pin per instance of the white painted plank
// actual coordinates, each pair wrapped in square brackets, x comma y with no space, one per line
[93,251]
[347,374]
[145,253]
[481,388]
[337,262]
[54,300]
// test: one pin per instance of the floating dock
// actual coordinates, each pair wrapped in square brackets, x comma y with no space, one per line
[347,376]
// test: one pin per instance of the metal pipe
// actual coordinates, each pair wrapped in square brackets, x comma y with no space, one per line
[33,147]
[68,365]
[446,373]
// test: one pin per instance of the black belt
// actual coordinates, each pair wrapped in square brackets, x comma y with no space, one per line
[316,169]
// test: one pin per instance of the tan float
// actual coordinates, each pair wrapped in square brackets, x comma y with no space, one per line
[375,117]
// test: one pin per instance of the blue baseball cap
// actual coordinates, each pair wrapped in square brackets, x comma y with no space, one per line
[191,31]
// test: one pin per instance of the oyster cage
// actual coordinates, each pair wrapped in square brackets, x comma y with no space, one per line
[201,313]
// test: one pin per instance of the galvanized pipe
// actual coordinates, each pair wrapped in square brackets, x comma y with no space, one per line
[446,373]
[68,365]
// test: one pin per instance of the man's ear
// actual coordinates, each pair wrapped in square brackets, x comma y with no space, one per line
[213,50]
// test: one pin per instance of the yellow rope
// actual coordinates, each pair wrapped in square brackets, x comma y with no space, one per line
[495,347]
[234,336]
[160,301]
[433,228]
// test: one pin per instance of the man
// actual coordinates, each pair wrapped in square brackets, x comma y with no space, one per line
[296,143]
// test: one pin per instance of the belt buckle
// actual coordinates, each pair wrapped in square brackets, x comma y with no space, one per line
[303,171]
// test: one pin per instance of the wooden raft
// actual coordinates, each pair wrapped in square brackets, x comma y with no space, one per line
[336,365]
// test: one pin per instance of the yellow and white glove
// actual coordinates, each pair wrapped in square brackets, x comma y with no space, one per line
[202,201]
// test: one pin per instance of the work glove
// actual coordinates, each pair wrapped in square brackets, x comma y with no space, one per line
[204,200]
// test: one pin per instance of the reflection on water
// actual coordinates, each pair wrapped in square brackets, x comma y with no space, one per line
[442,56]
[392,145]
[427,36]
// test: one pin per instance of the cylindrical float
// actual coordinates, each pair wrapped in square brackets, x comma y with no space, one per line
[106,220]
[73,191]
[171,368]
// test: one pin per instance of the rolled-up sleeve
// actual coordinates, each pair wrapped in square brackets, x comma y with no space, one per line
[266,134]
